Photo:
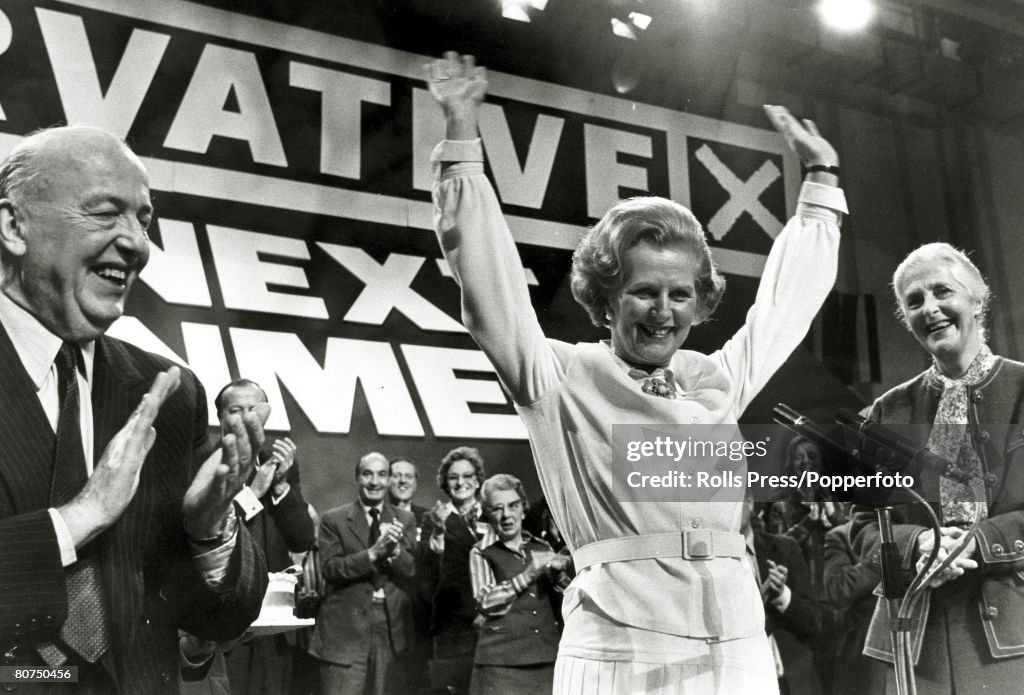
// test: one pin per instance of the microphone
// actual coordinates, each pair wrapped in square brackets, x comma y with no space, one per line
[842,454]
[897,453]
[805,427]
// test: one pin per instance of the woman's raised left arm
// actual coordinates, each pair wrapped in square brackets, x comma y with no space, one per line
[800,270]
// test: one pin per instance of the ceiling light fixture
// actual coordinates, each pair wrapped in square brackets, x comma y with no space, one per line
[847,15]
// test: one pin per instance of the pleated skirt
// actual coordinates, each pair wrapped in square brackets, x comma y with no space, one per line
[601,656]
[734,671]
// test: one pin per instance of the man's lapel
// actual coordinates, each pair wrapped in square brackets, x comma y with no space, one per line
[117,389]
[26,439]
[358,525]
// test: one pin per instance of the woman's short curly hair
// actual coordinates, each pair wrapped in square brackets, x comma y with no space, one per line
[503,481]
[960,266]
[461,453]
[597,264]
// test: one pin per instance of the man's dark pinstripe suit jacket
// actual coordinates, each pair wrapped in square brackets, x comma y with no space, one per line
[149,576]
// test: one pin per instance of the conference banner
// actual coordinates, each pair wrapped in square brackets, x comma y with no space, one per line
[293,245]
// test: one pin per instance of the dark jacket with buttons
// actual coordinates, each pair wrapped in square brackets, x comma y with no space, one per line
[149,578]
[345,621]
[528,632]
[995,415]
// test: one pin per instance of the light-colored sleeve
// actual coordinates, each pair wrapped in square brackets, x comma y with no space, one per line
[437,542]
[478,245]
[800,272]
[493,598]
[213,564]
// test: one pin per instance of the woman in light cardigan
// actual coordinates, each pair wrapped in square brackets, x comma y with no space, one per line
[642,615]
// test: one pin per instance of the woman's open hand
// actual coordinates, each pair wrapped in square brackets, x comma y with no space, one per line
[802,137]
[459,87]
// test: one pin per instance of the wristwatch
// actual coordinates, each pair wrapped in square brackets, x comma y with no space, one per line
[230,526]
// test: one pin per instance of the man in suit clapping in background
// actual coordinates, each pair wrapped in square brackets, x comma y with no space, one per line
[367,552]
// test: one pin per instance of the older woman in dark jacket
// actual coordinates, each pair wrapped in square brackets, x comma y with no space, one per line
[973,636]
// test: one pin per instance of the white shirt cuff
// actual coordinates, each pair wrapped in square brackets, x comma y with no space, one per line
[825,196]
[782,601]
[68,555]
[249,502]
[458,151]
[275,500]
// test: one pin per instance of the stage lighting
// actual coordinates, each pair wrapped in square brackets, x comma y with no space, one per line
[847,15]
[623,29]
[627,28]
[517,9]
[640,20]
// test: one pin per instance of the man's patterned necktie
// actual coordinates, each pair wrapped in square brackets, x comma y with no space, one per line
[86,630]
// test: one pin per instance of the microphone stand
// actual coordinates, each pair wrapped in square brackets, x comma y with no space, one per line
[899,601]
[892,591]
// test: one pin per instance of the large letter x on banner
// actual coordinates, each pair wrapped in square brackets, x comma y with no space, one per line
[743,195]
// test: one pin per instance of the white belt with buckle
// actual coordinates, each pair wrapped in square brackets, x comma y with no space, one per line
[694,544]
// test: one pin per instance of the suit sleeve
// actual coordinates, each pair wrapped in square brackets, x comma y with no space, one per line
[226,612]
[290,515]
[31,575]
[404,565]
[428,563]
[805,616]
[846,579]
[340,562]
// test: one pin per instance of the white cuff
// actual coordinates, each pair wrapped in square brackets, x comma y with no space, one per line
[782,601]
[458,151]
[68,555]
[825,196]
[275,500]
[249,502]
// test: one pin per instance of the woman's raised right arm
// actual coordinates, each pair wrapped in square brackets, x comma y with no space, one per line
[477,243]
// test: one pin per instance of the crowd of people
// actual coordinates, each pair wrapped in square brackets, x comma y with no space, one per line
[462,597]
[146,577]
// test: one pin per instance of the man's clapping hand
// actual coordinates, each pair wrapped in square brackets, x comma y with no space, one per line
[272,472]
[774,584]
[208,500]
[387,545]
[116,476]
[438,514]
[284,457]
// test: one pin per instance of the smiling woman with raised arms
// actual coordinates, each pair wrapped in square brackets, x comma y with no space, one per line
[648,610]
